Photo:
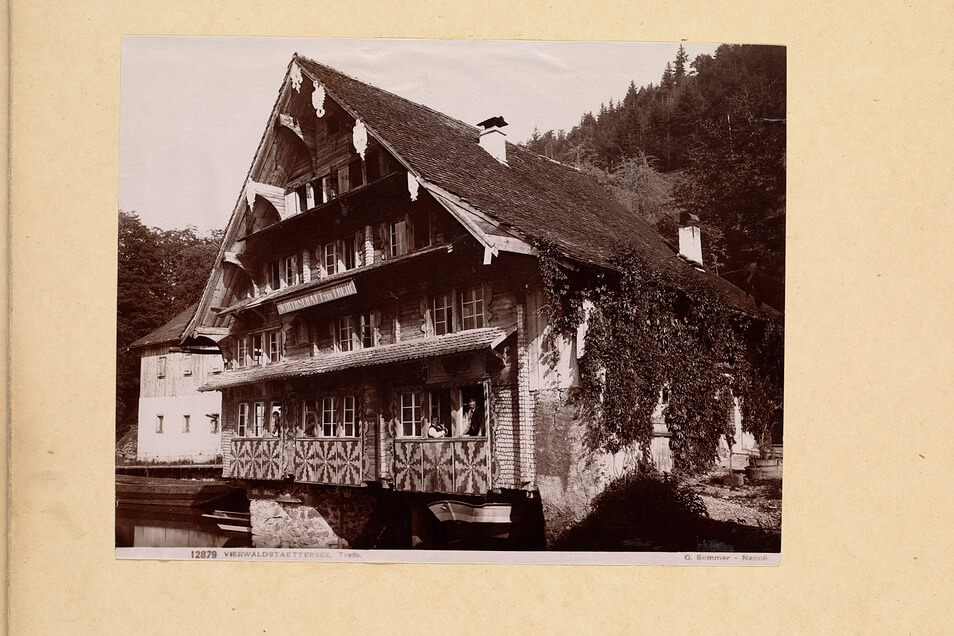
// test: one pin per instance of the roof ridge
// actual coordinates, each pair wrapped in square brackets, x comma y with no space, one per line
[384,90]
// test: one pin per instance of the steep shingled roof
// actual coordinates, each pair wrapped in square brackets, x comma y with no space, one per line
[539,198]
[169,332]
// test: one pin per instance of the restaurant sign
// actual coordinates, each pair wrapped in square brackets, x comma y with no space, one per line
[324,295]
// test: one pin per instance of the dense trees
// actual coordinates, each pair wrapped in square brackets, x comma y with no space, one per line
[161,273]
[709,139]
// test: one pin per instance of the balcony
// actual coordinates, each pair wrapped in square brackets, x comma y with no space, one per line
[329,461]
[256,458]
[458,466]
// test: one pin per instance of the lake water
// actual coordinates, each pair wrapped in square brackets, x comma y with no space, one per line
[173,527]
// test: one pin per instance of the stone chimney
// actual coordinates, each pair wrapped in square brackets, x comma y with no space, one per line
[493,139]
[690,240]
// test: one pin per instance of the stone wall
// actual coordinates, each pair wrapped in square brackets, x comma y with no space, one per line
[314,517]
[285,525]
[568,476]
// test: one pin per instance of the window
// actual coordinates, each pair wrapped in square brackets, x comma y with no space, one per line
[372,165]
[411,413]
[442,415]
[348,420]
[344,180]
[331,258]
[329,186]
[473,413]
[213,422]
[161,370]
[243,429]
[367,331]
[443,314]
[274,351]
[187,364]
[345,334]
[354,332]
[257,348]
[159,423]
[185,423]
[421,229]
[303,202]
[444,412]
[310,419]
[291,271]
[241,352]
[397,238]
[355,176]
[258,425]
[272,276]
[350,253]
[275,419]
[472,308]
[329,417]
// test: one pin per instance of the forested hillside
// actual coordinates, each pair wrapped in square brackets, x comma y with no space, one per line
[708,139]
[161,273]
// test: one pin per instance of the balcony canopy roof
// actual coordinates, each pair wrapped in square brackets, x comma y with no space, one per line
[418,349]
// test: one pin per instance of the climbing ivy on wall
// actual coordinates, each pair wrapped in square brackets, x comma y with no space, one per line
[648,331]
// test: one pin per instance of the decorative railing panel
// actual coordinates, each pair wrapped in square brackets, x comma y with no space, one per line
[451,466]
[472,467]
[256,458]
[328,461]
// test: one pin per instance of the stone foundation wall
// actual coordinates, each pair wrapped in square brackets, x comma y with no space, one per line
[283,525]
[323,517]
[568,476]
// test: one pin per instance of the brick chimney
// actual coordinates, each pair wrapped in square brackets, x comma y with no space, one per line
[690,240]
[493,139]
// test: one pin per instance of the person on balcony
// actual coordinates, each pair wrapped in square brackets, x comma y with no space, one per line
[436,429]
[473,419]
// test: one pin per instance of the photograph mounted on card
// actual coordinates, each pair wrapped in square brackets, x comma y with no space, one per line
[451,301]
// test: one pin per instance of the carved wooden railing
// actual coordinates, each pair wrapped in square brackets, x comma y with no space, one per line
[256,458]
[457,466]
[329,461]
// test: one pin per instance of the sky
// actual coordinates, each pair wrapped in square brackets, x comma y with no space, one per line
[193,109]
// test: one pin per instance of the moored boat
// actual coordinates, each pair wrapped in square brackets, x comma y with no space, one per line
[164,491]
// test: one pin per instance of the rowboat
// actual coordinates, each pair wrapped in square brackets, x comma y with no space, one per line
[231,521]
[165,491]
[448,510]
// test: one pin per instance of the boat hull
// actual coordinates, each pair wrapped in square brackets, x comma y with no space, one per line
[163,491]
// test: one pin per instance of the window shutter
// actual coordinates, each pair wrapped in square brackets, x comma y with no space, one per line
[376,327]
[427,324]
[383,238]
[456,413]
[402,235]
[358,249]
[305,266]
[488,296]
[343,183]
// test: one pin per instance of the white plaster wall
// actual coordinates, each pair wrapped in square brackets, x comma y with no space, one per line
[199,444]
[745,443]
[546,374]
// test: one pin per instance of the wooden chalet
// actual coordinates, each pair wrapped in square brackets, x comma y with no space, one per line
[378,300]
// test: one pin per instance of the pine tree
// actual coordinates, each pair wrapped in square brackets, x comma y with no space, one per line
[681,58]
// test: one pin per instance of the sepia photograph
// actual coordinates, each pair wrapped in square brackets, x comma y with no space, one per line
[447,300]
